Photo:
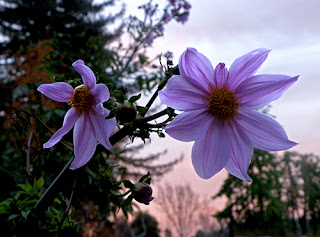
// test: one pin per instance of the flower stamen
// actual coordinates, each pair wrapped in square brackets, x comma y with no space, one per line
[223,103]
[82,99]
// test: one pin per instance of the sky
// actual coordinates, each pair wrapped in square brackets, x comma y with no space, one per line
[224,31]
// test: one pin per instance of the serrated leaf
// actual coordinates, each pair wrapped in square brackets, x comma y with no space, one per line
[135,98]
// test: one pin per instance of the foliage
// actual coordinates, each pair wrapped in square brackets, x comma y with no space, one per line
[272,204]
[145,225]
[42,40]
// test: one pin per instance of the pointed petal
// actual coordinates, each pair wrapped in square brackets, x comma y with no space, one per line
[69,120]
[102,128]
[264,132]
[84,142]
[212,151]
[221,75]
[100,93]
[88,77]
[241,151]
[260,90]
[59,91]
[246,66]
[189,126]
[196,66]
[184,93]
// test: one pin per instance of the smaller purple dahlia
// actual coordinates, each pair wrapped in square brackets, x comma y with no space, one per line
[86,115]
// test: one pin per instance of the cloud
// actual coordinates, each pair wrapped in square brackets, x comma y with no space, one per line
[278,22]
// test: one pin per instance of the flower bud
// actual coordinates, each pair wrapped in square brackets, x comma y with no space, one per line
[142,193]
[126,112]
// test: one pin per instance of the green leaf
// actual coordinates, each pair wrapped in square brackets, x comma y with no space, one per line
[40,182]
[143,59]
[141,109]
[112,114]
[115,193]
[25,214]
[57,200]
[127,184]
[135,98]
[148,181]
[128,201]
[143,178]
[13,216]
[120,97]
[25,187]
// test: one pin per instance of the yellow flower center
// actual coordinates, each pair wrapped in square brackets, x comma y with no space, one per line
[82,99]
[223,103]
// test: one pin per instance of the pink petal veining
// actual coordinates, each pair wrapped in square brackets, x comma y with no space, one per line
[183,93]
[246,66]
[258,91]
[59,91]
[218,143]
[197,66]
[89,126]
[84,142]
[69,120]
[88,77]
[211,152]
[183,126]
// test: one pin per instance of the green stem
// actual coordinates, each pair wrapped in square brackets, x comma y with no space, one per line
[51,189]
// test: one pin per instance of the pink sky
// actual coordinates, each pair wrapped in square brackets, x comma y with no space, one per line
[225,30]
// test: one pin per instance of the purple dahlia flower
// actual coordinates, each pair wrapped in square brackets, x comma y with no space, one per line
[220,111]
[86,115]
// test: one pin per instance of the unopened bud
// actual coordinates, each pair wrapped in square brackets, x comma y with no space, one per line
[142,193]
[126,112]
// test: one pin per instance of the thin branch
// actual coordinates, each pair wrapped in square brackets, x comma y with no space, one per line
[28,153]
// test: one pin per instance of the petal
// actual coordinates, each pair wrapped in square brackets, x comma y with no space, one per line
[69,120]
[212,151]
[260,90]
[59,91]
[102,128]
[246,66]
[241,151]
[84,142]
[100,93]
[184,93]
[197,66]
[189,126]
[88,77]
[101,110]
[264,132]
[220,75]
